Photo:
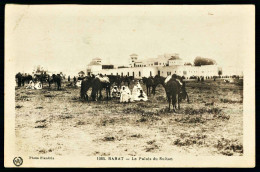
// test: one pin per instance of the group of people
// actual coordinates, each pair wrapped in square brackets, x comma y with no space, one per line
[34,85]
[125,94]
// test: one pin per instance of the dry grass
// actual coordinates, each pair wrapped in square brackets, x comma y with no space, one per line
[58,123]
[189,140]
[229,147]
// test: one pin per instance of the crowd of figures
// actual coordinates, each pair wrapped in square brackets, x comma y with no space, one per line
[174,86]
[36,81]
[119,86]
[125,94]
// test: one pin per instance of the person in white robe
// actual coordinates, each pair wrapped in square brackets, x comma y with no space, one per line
[129,93]
[138,94]
[125,95]
[115,92]
[30,85]
[38,86]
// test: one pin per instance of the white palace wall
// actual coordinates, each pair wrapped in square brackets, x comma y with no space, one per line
[139,72]
[188,71]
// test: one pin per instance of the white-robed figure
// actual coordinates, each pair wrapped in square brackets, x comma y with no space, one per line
[30,85]
[125,94]
[38,85]
[115,92]
[138,94]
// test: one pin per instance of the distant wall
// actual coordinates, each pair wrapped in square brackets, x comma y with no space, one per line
[230,70]
[187,71]
[137,72]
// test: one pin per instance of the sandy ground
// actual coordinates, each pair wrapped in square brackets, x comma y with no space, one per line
[53,123]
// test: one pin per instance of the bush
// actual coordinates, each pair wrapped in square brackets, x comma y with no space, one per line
[108,138]
[191,111]
[187,140]
[131,110]
[201,115]
[191,119]
[229,147]
[230,101]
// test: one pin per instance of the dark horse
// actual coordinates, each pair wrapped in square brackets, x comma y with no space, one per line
[172,89]
[149,82]
[55,79]
[85,85]
[115,79]
[157,80]
[19,77]
[97,86]
[153,82]
[23,78]
[175,90]
[27,78]
[182,85]
[127,80]
[43,77]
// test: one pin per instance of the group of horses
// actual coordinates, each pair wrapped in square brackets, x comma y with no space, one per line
[43,78]
[100,82]
[174,87]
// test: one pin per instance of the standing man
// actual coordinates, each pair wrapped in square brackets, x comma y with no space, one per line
[74,79]
[22,79]
[69,78]
[19,78]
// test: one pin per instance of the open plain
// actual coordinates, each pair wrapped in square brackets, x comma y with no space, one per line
[53,123]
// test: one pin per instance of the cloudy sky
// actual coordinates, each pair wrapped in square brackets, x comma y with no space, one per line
[66,38]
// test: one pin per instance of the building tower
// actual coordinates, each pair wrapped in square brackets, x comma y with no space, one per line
[132,60]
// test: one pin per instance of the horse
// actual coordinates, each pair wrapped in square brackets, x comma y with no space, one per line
[181,89]
[172,89]
[27,78]
[149,82]
[98,84]
[19,77]
[85,85]
[157,80]
[55,79]
[43,77]
[127,79]
[114,79]
[58,79]
[182,94]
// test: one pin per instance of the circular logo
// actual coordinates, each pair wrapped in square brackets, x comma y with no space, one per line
[18,161]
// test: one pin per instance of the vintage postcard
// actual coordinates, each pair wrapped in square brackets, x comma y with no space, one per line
[129,86]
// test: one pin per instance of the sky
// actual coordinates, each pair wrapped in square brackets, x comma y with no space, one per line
[67,37]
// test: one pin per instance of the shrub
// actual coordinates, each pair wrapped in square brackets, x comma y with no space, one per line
[187,140]
[229,147]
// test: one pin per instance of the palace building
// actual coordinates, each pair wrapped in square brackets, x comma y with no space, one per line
[163,65]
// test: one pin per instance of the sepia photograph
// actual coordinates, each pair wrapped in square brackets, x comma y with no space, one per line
[129,85]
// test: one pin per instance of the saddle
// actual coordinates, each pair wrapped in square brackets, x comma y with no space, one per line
[170,77]
[103,79]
